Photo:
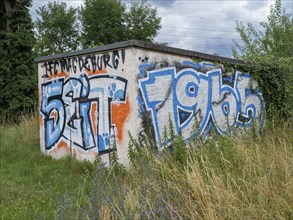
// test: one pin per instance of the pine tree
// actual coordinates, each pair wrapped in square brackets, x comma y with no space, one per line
[18,76]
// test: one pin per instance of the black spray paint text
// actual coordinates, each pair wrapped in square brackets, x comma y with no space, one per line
[91,62]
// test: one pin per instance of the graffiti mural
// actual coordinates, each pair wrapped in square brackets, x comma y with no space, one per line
[195,102]
[79,110]
[91,100]
[91,63]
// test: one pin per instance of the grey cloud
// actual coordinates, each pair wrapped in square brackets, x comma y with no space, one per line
[156,3]
[203,26]
[162,3]
[36,4]
[255,5]
[288,5]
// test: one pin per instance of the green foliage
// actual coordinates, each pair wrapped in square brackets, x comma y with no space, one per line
[117,168]
[144,149]
[108,21]
[57,30]
[270,57]
[225,178]
[142,21]
[230,177]
[102,22]
[33,184]
[278,34]
[275,40]
[135,150]
[274,78]
[18,82]
[178,149]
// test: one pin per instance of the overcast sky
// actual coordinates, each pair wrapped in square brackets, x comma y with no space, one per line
[206,26]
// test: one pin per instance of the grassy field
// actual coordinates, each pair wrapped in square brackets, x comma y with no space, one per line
[32,184]
[241,177]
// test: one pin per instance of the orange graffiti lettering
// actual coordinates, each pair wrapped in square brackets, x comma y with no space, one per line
[94,117]
[60,74]
[62,145]
[91,73]
[120,112]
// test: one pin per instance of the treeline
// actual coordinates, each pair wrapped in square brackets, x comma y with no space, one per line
[18,77]
[57,29]
[98,22]
[270,53]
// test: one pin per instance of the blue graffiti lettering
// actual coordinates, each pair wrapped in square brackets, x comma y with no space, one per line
[195,102]
[52,109]
[66,109]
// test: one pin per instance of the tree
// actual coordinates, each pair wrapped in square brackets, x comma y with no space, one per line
[18,82]
[109,21]
[57,30]
[142,21]
[271,51]
[4,10]
[102,22]
[275,40]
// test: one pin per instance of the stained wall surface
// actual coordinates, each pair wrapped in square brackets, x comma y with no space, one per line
[89,103]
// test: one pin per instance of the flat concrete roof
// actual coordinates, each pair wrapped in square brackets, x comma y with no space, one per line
[143,45]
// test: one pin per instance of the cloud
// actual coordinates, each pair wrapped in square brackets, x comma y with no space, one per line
[200,26]
[162,3]
[288,5]
[203,26]
[37,3]
[208,26]
[255,5]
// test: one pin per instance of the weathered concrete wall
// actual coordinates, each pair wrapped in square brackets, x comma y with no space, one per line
[90,100]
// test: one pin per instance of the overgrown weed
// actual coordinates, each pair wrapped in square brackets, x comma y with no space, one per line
[31,183]
[231,177]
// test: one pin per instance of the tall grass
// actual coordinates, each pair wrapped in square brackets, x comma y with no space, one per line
[31,184]
[240,177]
[246,176]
